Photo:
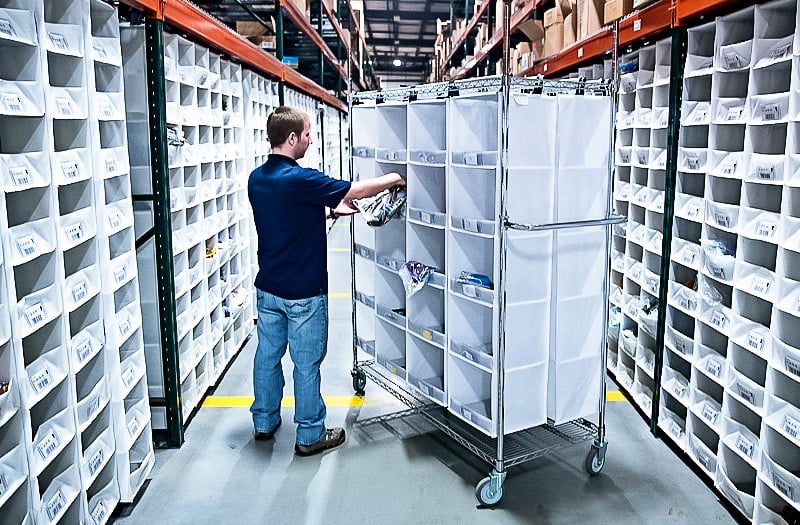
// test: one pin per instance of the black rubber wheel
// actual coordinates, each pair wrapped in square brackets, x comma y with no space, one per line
[486,495]
[359,382]
[595,461]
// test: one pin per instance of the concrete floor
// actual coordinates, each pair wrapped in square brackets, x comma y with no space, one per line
[404,472]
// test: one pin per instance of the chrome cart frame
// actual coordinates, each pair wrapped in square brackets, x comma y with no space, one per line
[504,451]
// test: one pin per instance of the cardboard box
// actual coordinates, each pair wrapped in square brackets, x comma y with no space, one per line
[590,17]
[641,3]
[570,28]
[304,6]
[251,28]
[268,43]
[553,31]
[567,6]
[524,48]
[532,29]
[616,9]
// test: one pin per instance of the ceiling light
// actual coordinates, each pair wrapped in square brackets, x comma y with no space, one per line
[397,62]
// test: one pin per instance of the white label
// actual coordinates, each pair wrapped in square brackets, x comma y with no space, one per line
[469,290]
[641,198]
[425,217]
[700,115]
[26,246]
[12,103]
[734,114]
[729,168]
[424,388]
[625,158]
[746,393]
[636,273]
[83,350]
[95,461]
[717,271]
[792,366]
[722,219]
[128,376]
[714,368]
[3,484]
[70,169]
[580,52]
[80,291]
[679,390]
[545,68]
[675,429]
[133,426]
[766,229]
[41,380]
[35,314]
[693,163]
[780,51]
[791,426]
[680,346]
[719,319]
[54,506]
[755,341]
[761,285]
[106,109]
[125,326]
[637,25]
[693,211]
[783,486]
[745,446]
[471,225]
[99,512]
[111,166]
[652,285]
[471,159]
[771,112]
[48,445]
[633,310]
[74,231]
[709,413]
[7,28]
[20,175]
[467,414]
[58,41]
[468,355]
[120,274]
[689,256]
[93,408]
[765,172]
[114,220]
[733,60]
[64,106]
[649,363]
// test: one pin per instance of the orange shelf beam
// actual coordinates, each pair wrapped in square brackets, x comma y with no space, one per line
[343,39]
[472,24]
[648,22]
[309,87]
[299,19]
[151,8]
[201,25]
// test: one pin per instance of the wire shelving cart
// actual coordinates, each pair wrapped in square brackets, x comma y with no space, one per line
[506,449]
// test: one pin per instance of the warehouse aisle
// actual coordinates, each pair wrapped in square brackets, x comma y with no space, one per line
[401,471]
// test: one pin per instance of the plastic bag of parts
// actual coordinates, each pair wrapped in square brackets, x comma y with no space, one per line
[648,317]
[414,275]
[175,137]
[614,323]
[475,279]
[710,295]
[381,208]
[716,248]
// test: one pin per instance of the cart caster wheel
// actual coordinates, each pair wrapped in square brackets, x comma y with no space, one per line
[359,381]
[595,460]
[487,494]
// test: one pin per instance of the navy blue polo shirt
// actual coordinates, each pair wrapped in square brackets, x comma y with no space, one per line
[289,210]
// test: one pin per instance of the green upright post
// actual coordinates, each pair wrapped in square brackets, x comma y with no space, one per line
[320,14]
[279,49]
[678,59]
[157,100]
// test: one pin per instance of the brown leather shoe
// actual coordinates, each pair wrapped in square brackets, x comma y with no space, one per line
[333,438]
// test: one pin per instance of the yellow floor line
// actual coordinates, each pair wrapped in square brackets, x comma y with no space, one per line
[331,401]
[338,250]
[339,295]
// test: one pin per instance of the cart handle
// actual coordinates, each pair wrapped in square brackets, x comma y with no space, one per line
[614,219]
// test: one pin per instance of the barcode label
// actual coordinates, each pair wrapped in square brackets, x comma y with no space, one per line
[693,211]
[35,314]
[99,512]
[471,159]
[41,380]
[70,169]
[771,112]
[640,235]
[467,414]
[93,408]
[74,231]
[709,413]
[714,368]
[625,157]
[674,429]
[469,290]
[783,486]
[693,163]
[636,273]
[7,28]
[471,225]
[106,109]
[26,246]
[48,445]
[700,115]
[3,484]
[722,219]
[745,446]
[12,103]
[64,106]
[761,285]
[111,165]
[730,167]
[792,366]
[766,229]
[791,426]
[114,220]
[58,40]
[765,172]
[425,217]
[80,291]
[734,114]
[685,303]
[95,461]
[125,327]
[746,393]
[641,198]
[689,256]
[755,341]
[633,310]
[680,346]
[717,271]
[120,274]
[719,319]
[732,60]
[679,390]
[83,350]
[128,376]
[54,506]
[20,175]
[133,426]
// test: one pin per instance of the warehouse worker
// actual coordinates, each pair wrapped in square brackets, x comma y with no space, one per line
[289,207]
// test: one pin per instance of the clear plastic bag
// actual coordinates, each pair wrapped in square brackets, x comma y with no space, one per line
[381,208]
[414,275]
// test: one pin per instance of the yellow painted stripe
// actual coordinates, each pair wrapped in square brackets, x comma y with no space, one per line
[338,250]
[288,401]
[331,401]
[339,295]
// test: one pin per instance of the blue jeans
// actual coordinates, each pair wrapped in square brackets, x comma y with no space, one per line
[303,326]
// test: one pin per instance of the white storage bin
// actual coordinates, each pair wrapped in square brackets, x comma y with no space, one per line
[727,164]
[52,437]
[742,441]
[783,481]
[36,310]
[680,343]
[769,505]
[103,503]
[57,499]
[675,384]
[14,476]
[746,390]
[766,169]
[695,113]
[22,171]
[769,109]
[63,39]
[707,409]
[390,348]
[30,240]
[674,426]
[736,480]
[710,363]
[702,455]
[96,455]
[691,160]
[729,111]
[426,370]
[785,358]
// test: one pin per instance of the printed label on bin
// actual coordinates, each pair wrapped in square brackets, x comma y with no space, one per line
[99,512]
[41,380]
[425,217]
[734,114]
[700,115]
[64,106]
[625,158]
[783,486]
[48,445]
[58,40]
[26,246]
[755,341]
[688,256]
[83,350]
[652,285]
[7,28]
[74,231]
[125,326]
[424,388]
[703,458]
[120,274]
[675,429]
[722,219]
[20,175]
[693,211]
[3,484]
[761,285]
[93,407]
[115,219]
[719,319]
[111,166]
[766,229]
[471,159]
[80,291]
[732,59]
[693,163]
[95,461]
[709,413]
[771,112]
[792,366]
[106,109]
[633,310]
[765,172]
[714,368]
[791,426]
[129,376]
[680,346]
[745,446]
[35,314]
[679,389]
[636,273]
[12,103]
[729,168]
[469,290]
[55,504]
[133,426]
[780,50]
[70,169]
[746,393]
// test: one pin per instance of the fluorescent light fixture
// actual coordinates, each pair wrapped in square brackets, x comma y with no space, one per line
[397,62]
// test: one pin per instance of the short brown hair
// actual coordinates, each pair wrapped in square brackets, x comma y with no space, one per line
[282,122]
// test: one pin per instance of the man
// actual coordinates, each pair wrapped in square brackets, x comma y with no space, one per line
[289,207]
